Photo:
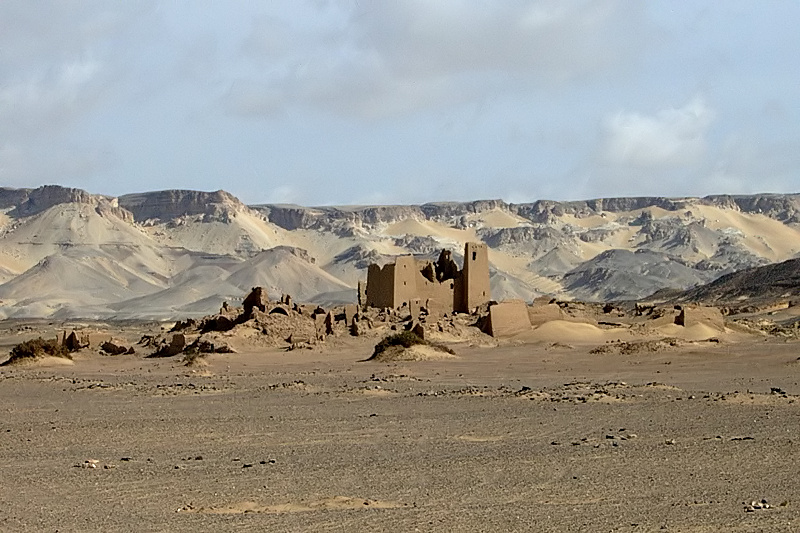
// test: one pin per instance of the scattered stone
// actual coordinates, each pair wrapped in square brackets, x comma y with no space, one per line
[257,299]
[758,505]
[184,324]
[72,343]
[115,349]
[175,346]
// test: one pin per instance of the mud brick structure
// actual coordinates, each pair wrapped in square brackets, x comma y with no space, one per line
[438,286]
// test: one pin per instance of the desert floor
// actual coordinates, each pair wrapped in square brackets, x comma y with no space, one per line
[530,437]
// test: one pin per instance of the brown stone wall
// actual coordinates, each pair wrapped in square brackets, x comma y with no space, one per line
[473,289]
[538,314]
[508,318]
[410,284]
[381,286]
[405,279]
[397,284]
[710,316]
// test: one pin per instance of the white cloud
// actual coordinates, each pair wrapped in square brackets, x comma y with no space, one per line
[47,100]
[377,58]
[24,165]
[670,138]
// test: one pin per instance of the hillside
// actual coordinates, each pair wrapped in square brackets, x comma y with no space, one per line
[764,286]
[67,252]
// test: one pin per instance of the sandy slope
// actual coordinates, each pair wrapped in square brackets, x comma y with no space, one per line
[282,271]
[244,232]
[764,236]
[563,254]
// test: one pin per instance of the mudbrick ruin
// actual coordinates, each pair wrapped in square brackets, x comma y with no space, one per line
[439,286]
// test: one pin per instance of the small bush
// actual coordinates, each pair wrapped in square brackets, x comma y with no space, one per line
[38,348]
[406,339]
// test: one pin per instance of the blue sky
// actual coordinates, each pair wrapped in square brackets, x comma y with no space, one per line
[402,101]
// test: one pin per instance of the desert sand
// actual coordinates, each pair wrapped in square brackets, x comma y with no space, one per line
[541,432]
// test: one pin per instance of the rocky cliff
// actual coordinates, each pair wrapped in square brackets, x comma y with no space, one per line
[160,206]
[187,245]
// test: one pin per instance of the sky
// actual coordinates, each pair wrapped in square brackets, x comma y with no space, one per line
[327,102]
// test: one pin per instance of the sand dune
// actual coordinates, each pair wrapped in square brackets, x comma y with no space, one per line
[497,218]
[243,232]
[763,235]
[430,228]
[696,332]
[87,275]
[572,333]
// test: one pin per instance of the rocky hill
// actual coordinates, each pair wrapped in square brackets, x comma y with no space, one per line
[755,288]
[69,253]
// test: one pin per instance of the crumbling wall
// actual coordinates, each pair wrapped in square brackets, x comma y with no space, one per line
[440,285]
[381,286]
[473,289]
[401,283]
[691,315]
[507,318]
[405,279]
[539,313]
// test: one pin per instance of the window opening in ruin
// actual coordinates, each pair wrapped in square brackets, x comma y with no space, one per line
[428,273]
[474,255]
[446,268]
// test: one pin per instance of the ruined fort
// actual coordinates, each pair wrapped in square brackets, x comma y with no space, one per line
[438,286]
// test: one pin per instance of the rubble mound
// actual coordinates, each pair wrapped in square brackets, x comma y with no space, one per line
[258,323]
[628,348]
[112,348]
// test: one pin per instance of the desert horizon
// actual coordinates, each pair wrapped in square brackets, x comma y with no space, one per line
[355,265]
[670,412]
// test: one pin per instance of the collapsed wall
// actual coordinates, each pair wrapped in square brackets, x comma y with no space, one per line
[440,284]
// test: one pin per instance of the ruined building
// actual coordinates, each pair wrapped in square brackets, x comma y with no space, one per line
[439,285]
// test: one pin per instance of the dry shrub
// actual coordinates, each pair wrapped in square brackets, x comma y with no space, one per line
[35,348]
[406,339]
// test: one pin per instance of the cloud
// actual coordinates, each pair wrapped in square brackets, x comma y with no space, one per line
[563,38]
[670,138]
[376,59]
[23,165]
[749,163]
[46,101]
[34,33]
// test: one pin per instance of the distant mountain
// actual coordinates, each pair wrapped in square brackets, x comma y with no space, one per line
[752,287]
[66,252]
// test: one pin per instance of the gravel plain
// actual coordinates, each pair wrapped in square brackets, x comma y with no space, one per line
[512,438]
